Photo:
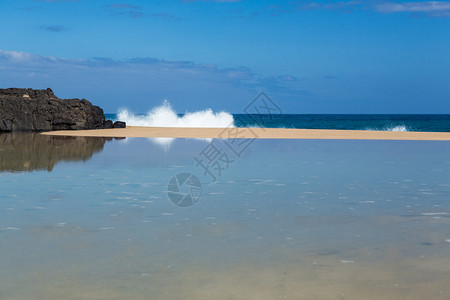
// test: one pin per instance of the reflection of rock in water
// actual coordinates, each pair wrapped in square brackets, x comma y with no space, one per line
[33,151]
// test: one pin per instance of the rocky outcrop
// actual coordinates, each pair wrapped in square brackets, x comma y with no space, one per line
[119,124]
[41,110]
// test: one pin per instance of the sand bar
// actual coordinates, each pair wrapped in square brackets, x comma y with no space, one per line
[262,133]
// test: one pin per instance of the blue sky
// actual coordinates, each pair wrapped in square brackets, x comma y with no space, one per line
[308,56]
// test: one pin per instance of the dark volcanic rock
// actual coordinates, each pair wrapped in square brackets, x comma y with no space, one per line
[41,110]
[107,124]
[119,124]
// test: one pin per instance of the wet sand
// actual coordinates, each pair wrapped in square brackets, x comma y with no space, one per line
[320,279]
[262,133]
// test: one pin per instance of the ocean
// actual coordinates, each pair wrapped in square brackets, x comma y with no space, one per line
[383,122]
[138,218]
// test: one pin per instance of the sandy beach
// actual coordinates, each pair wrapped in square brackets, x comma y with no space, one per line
[262,133]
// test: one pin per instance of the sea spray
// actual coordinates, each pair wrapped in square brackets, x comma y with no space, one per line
[397,128]
[402,128]
[165,116]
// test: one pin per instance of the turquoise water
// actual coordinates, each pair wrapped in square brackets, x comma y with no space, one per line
[89,218]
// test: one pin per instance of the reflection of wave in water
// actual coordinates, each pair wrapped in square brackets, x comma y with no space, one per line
[166,143]
[165,116]
[21,151]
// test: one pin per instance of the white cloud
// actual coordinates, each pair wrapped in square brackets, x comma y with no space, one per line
[428,8]
[15,56]
[19,58]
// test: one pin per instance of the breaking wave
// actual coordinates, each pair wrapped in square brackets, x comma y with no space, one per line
[390,128]
[165,116]
[397,128]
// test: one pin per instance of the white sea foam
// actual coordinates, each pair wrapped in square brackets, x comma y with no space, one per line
[347,261]
[397,128]
[10,228]
[391,128]
[165,116]
[434,213]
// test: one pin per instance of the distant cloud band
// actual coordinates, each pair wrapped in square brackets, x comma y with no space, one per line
[428,8]
[129,10]
[53,28]
[240,77]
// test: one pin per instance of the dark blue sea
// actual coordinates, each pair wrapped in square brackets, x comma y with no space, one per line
[385,122]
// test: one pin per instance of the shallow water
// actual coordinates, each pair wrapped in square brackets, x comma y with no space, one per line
[288,219]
